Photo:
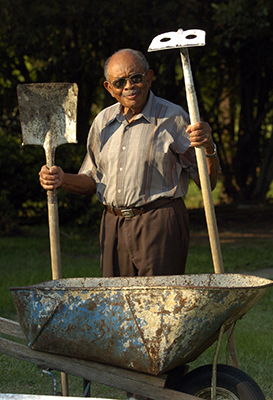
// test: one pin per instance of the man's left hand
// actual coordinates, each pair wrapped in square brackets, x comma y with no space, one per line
[200,135]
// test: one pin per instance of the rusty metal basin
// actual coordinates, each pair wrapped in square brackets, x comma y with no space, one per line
[147,324]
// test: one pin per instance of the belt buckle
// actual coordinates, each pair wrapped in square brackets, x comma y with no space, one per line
[127,213]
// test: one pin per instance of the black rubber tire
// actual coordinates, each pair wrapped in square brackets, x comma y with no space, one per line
[232,384]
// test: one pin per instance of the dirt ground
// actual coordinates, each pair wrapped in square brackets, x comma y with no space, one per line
[241,225]
[235,223]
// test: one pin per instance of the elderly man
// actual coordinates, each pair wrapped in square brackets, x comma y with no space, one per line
[140,154]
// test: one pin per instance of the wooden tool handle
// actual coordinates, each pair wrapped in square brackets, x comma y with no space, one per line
[209,211]
[54,235]
[206,187]
[202,167]
[52,205]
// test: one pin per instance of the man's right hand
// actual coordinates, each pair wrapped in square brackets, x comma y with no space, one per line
[73,183]
[51,178]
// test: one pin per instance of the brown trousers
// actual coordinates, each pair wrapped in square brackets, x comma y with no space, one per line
[153,243]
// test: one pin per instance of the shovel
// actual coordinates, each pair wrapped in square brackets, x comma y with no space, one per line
[182,40]
[48,113]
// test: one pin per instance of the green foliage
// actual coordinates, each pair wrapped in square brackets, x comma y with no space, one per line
[194,197]
[17,175]
[238,101]
[69,41]
[21,196]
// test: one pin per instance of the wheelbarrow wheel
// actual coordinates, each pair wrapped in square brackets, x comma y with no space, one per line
[232,384]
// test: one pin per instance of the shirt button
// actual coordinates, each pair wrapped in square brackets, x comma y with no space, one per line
[121,169]
[119,191]
[123,147]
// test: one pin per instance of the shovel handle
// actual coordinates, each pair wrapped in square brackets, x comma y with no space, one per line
[202,167]
[53,219]
[54,235]
[54,239]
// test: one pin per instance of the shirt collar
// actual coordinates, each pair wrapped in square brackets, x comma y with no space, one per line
[148,111]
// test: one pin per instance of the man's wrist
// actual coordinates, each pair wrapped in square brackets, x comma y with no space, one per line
[214,153]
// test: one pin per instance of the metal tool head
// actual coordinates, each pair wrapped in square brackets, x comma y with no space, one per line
[48,113]
[179,39]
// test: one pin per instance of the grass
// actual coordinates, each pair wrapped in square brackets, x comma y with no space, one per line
[236,257]
[25,260]
[253,335]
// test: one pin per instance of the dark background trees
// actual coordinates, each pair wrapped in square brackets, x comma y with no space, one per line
[69,40]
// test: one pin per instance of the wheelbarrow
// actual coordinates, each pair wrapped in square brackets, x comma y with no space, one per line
[150,326]
[154,325]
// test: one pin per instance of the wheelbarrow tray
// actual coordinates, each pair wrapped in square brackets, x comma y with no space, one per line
[147,324]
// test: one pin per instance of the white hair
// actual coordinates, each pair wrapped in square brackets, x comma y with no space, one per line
[140,56]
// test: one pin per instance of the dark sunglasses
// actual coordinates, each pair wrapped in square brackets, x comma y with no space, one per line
[119,83]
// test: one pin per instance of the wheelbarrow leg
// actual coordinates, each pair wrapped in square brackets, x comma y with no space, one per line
[216,355]
[232,348]
[65,386]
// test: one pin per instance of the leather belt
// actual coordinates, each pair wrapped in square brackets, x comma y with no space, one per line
[130,212]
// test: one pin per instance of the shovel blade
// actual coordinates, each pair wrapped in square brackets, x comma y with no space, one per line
[179,39]
[48,113]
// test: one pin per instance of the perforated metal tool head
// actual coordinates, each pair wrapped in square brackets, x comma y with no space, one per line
[179,39]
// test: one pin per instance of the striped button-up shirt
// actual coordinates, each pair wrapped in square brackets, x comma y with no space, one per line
[139,162]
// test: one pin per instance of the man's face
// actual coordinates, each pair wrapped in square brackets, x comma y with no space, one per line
[133,96]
